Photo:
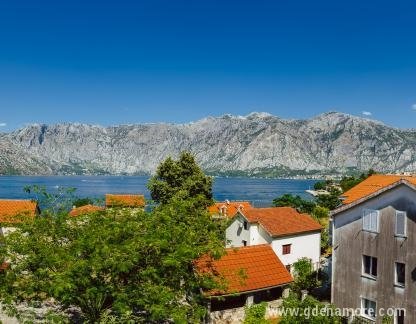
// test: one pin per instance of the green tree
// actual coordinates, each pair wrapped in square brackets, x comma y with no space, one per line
[305,278]
[181,179]
[347,183]
[58,201]
[308,311]
[130,265]
[255,314]
[117,265]
[289,200]
[82,202]
[329,201]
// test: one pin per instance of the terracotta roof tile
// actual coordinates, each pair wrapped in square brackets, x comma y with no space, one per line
[282,221]
[82,210]
[124,200]
[228,208]
[12,211]
[260,266]
[4,266]
[373,184]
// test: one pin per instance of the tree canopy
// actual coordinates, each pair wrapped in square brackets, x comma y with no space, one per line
[289,200]
[116,265]
[181,179]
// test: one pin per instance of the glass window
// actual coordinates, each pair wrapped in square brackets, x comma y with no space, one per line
[370,265]
[368,307]
[399,316]
[286,248]
[245,225]
[400,273]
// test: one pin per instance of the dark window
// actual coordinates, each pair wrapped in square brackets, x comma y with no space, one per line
[400,316]
[286,248]
[245,225]
[370,265]
[244,243]
[369,307]
[400,273]
[288,268]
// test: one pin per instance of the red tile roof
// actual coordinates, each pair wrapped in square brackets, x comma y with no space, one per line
[87,209]
[124,200]
[246,269]
[282,221]
[12,211]
[373,184]
[228,208]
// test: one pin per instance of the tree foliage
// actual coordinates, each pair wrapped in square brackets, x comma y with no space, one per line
[289,200]
[133,265]
[255,314]
[329,201]
[347,183]
[305,278]
[308,311]
[119,265]
[181,179]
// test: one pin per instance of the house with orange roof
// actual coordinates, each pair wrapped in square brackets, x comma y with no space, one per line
[246,275]
[13,211]
[228,209]
[83,210]
[291,234]
[374,248]
[124,201]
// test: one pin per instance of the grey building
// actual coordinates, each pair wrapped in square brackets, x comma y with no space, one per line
[374,250]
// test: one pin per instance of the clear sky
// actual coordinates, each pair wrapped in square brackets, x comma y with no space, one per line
[111,62]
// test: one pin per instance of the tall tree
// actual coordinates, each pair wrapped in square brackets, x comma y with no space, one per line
[181,179]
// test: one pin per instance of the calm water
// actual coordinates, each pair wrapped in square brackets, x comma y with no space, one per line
[260,192]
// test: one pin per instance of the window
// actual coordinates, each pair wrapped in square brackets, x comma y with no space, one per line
[369,266]
[244,243]
[288,268]
[370,220]
[286,248]
[368,308]
[400,272]
[400,223]
[399,316]
[245,225]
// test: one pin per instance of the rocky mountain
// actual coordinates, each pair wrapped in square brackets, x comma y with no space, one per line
[257,144]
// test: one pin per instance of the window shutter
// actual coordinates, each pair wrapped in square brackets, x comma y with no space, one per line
[366,219]
[400,223]
[370,220]
[374,221]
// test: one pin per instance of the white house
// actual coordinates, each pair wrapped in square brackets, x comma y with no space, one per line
[291,234]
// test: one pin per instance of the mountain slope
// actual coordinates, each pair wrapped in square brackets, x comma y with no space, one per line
[255,144]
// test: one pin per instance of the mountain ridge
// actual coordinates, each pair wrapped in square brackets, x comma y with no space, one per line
[259,144]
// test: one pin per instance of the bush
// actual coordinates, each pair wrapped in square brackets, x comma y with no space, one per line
[255,314]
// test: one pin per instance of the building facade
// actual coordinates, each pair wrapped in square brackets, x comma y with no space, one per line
[374,250]
[292,235]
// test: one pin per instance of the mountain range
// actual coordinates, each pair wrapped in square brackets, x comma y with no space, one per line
[258,144]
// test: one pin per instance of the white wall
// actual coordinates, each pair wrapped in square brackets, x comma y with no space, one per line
[303,246]
[235,233]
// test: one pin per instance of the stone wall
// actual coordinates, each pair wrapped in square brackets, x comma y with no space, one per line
[236,315]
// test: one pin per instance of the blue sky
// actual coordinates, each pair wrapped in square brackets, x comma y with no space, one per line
[111,62]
